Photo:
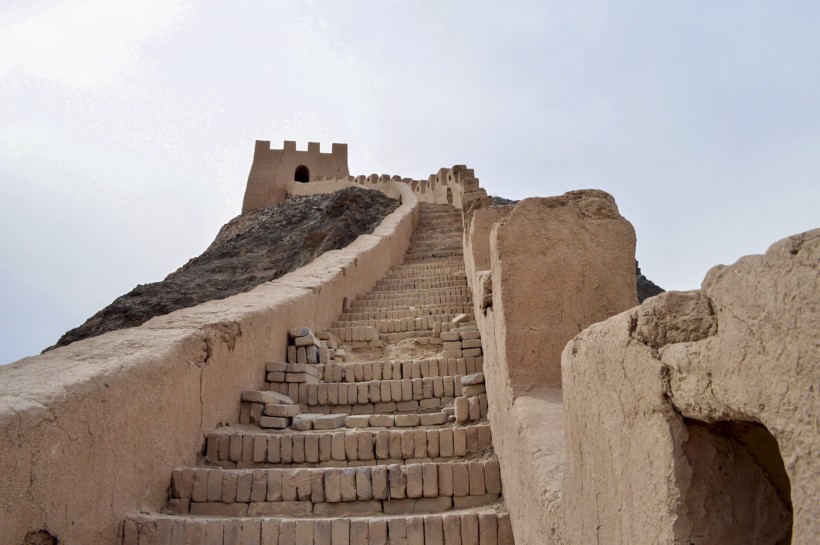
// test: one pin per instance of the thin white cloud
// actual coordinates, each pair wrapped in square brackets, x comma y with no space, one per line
[86,44]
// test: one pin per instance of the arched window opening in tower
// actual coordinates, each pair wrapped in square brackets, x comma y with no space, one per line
[302,174]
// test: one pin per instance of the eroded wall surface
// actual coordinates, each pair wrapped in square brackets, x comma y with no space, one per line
[554,266]
[694,417]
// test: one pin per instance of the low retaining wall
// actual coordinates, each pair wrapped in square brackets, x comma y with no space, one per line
[92,431]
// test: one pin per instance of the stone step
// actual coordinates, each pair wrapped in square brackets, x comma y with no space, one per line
[418,312]
[399,369]
[452,281]
[345,395]
[399,324]
[475,526]
[411,300]
[387,293]
[326,491]
[228,447]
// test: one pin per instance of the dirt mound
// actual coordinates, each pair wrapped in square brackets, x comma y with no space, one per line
[250,249]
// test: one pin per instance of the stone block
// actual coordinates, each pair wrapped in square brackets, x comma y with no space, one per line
[281,411]
[462,409]
[473,379]
[406,420]
[471,352]
[432,419]
[329,421]
[266,397]
[357,421]
[382,420]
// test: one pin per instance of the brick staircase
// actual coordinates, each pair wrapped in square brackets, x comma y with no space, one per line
[375,433]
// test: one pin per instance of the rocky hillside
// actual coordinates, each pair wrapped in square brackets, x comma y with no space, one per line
[251,249]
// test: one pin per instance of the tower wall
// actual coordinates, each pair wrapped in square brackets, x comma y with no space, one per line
[273,169]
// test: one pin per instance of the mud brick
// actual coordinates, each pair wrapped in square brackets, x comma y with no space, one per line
[301,354]
[406,389]
[229,481]
[214,486]
[274,488]
[312,354]
[379,488]
[374,394]
[351,447]
[397,530]
[445,479]
[488,528]
[307,340]
[432,443]
[398,481]
[333,485]
[450,336]
[461,480]
[449,386]
[324,446]
[348,484]
[408,444]
[432,419]
[243,487]
[266,397]
[407,406]
[329,421]
[340,532]
[433,531]
[471,434]
[473,406]
[462,408]
[406,420]
[396,390]
[429,480]
[470,335]
[473,379]
[382,447]
[476,471]
[471,352]
[281,411]
[492,477]
[459,441]
[286,449]
[438,387]
[359,531]
[415,481]
[275,376]
[365,445]
[384,408]
[419,444]
[364,485]
[291,354]
[483,405]
[454,345]
[312,449]
[452,529]
[337,447]
[446,444]
[470,343]
[395,445]
[382,420]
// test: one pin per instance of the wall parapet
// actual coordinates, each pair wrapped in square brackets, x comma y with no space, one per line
[92,430]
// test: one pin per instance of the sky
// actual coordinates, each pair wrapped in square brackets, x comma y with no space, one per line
[127,128]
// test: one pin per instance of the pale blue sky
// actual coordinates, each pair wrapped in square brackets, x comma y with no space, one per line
[127,128]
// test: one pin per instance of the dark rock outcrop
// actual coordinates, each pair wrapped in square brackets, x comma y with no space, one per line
[250,249]
[646,288]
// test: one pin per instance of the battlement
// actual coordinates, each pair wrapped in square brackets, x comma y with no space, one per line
[273,169]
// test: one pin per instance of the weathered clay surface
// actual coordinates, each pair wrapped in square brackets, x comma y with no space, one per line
[554,266]
[558,265]
[253,248]
[693,418]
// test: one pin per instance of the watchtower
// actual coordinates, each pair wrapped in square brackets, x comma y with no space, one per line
[273,169]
